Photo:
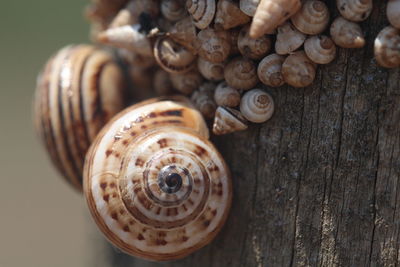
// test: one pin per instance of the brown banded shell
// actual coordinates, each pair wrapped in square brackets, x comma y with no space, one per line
[229,15]
[312,18]
[269,70]
[162,83]
[227,96]
[270,14]
[320,49]
[187,82]
[211,71]
[203,99]
[288,39]
[257,106]
[253,48]
[355,10]
[387,47]
[393,13]
[132,11]
[249,6]
[298,70]
[154,184]
[201,11]
[173,57]
[184,33]
[173,10]
[347,34]
[214,45]
[79,90]
[228,120]
[241,73]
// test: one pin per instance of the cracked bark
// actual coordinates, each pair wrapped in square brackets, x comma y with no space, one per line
[318,184]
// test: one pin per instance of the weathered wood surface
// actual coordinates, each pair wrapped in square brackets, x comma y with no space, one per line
[318,185]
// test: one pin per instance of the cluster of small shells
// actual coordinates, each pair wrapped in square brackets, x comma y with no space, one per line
[222,52]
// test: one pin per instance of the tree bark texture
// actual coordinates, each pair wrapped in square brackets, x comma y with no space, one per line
[318,184]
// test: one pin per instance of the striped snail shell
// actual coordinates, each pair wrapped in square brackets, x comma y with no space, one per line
[257,106]
[269,70]
[156,187]
[355,10]
[228,120]
[320,49]
[201,11]
[79,90]
[387,47]
[312,18]
[298,70]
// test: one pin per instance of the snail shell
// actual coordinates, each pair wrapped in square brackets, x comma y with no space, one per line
[312,18]
[298,70]
[79,90]
[249,6]
[211,71]
[184,33]
[128,37]
[253,48]
[154,184]
[347,34]
[228,120]
[269,70]
[355,10]
[270,14]
[162,83]
[393,13]
[214,45]
[131,13]
[227,96]
[201,11]
[186,83]
[203,99]
[241,73]
[387,47]
[288,39]
[173,10]
[229,15]
[320,49]
[173,57]
[257,106]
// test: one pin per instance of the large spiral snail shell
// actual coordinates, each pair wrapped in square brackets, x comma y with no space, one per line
[156,187]
[312,18]
[79,90]
[201,11]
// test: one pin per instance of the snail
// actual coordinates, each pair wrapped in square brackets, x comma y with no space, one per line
[79,90]
[387,47]
[184,33]
[249,6]
[253,48]
[288,39]
[228,120]
[214,45]
[173,10]
[187,82]
[312,18]
[201,11]
[241,73]
[227,96]
[298,70]
[272,13]
[355,10]
[347,34]
[229,15]
[393,13]
[211,71]
[154,184]
[257,106]
[320,49]
[269,70]
[203,100]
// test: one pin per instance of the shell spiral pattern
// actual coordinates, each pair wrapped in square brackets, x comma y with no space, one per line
[157,188]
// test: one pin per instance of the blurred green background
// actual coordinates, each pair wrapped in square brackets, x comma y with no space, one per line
[43,221]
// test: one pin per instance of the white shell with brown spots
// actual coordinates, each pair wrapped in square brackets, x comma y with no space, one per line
[127,188]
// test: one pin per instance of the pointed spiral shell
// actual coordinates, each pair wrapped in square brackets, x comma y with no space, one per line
[387,47]
[269,70]
[393,13]
[201,11]
[241,73]
[347,34]
[257,106]
[79,90]
[320,49]
[355,10]
[154,184]
[312,18]
[298,70]
[228,120]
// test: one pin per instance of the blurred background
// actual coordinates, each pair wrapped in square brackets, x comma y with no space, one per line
[43,221]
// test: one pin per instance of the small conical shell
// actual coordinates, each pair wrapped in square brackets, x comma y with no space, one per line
[347,34]
[298,70]
[288,39]
[214,45]
[312,18]
[269,70]
[355,10]
[257,106]
[130,14]
[249,6]
[227,121]
[128,37]
[201,11]
[162,83]
[211,71]
[173,10]
[226,96]
[186,83]
[229,15]
[203,99]
[241,73]
[393,13]
[172,57]
[184,33]
[253,48]
[272,13]
[387,47]
[320,49]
